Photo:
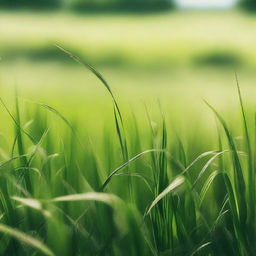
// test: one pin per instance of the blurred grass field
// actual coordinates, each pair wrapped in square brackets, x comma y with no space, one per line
[175,57]
[157,40]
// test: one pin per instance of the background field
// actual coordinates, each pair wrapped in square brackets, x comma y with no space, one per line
[176,57]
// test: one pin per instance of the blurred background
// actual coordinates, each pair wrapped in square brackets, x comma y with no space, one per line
[175,51]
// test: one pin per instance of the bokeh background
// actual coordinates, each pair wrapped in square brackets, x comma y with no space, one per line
[176,52]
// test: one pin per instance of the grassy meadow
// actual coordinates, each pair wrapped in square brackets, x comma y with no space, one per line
[149,151]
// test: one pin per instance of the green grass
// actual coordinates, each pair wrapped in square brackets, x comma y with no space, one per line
[154,172]
[137,187]
[132,40]
[158,57]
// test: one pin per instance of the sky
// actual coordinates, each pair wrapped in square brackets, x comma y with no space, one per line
[206,4]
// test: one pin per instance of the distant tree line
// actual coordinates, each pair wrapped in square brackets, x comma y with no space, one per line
[122,4]
[84,5]
[49,4]
[107,5]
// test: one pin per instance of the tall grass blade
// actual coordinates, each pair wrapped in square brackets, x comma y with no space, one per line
[251,172]
[175,184]
[15,121]
[239,177]
[106,198]
[24,238]
[108,179]
[94,71]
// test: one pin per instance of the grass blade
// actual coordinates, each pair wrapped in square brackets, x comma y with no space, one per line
[239,177]
[175,184]
[126,164]
[24,238]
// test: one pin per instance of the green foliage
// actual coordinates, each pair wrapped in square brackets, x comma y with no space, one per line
[80,5]
[52,4]
[164,197]
[138,5]
[249,5]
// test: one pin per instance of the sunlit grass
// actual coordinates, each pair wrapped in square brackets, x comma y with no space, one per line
[142,40]
[138,187]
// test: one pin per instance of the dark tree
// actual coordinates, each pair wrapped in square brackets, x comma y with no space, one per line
[135,5]
[249,5]
[36,4]
[147,4]
[130,5]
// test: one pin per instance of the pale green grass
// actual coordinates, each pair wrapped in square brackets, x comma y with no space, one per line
[175,38]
